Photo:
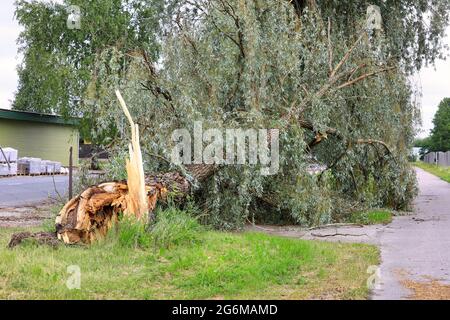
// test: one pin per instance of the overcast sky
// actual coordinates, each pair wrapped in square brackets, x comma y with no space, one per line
[435,81]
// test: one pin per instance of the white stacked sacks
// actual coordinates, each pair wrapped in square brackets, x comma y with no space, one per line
[10,154]
[29,165]
[35,165]
[8,162]
[43,167]
[57,167]
[52,167]
[49,167]
[13,168]
[4,169]
[21,166]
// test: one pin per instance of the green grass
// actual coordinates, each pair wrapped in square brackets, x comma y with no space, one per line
[372,217]
[172,227]
[439,171]
[216,265]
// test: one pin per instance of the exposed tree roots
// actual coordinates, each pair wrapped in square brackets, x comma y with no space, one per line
[47,238]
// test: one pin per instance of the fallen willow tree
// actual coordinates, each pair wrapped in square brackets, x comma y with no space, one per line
[90,215]
[336,88]
[263,65]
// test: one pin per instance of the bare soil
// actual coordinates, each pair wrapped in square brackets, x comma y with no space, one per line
[27,216]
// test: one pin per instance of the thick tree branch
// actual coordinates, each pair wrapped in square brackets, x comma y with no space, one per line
[346,56]
[362,77]
[374,142]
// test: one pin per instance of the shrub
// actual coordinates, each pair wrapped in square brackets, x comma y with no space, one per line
[372,217]
[171,227]
[175,227]
[132,233]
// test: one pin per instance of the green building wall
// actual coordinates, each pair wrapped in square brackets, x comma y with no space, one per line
[48,141]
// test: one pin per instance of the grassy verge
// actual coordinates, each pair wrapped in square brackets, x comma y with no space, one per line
[216,265]
[372,217]
[441,172]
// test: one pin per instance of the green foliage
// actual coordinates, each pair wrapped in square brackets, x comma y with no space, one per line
[63,61]
[263,64]
[372,217]
[175,227]
[440,135]
[416,25]
[424,145]
[115,168]
[172,227]
[130,233]
[309,201]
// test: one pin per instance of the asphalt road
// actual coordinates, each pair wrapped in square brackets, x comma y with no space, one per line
[23,190]
[417,248]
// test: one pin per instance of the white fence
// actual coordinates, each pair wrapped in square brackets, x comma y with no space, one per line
[439,158]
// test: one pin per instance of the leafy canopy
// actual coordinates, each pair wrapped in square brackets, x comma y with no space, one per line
[338,93]
[440,135]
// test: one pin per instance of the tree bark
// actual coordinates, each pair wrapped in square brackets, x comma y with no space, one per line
[90,215]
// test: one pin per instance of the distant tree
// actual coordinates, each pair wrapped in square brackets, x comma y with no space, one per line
[424,144]
[440,135]
[60,61]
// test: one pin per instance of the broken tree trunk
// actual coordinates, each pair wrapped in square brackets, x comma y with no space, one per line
[94,212]
[90,215]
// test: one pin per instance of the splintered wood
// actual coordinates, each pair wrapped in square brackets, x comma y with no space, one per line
[93,213]
[90,215]
[136,198]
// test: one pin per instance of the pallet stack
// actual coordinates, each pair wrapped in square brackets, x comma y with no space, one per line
[37,166]
[8,162]
[12,165]
[29,166]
